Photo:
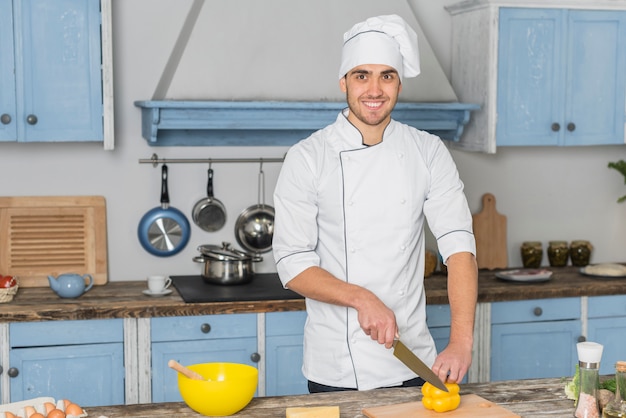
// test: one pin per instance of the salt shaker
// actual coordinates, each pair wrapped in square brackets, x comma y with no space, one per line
[589,356]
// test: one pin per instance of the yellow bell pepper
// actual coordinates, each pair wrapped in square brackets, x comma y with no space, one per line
[438,400]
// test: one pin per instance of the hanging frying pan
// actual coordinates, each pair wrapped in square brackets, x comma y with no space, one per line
[209,213]
[164,230]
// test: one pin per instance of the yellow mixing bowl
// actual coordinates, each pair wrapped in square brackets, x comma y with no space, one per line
[228,388]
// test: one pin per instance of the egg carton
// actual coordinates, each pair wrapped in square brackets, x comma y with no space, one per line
[19,408]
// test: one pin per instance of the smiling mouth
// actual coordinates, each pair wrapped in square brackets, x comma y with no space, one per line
[373,105]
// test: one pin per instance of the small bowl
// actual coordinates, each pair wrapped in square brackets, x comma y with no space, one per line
[228,388]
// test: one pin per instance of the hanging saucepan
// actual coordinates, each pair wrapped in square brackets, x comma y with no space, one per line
[254,228]
[209,213]
[164,230]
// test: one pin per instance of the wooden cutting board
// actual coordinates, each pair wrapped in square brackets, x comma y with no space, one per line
[471,406]
[50,235]
[490,234]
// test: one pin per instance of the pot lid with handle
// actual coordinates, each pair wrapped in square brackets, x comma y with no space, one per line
[226,253]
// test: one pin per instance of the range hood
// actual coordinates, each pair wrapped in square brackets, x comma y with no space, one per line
[271,123]
[272,79]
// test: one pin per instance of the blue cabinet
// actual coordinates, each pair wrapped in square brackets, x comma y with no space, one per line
[561,77]
[51,71]
[534,338]
[198,339]
[78,360]
[607,326]
[284,332]
[438,320]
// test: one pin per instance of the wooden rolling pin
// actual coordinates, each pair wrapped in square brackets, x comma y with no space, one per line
[183,370]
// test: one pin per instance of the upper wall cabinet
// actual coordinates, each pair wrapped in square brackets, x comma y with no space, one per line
[545,76]
[55,73]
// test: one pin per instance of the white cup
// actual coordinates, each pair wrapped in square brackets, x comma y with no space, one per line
[158,284]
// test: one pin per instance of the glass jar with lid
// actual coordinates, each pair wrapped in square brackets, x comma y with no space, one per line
[532,254]
[580,252]
[558,253]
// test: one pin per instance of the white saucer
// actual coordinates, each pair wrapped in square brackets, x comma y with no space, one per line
[161,293]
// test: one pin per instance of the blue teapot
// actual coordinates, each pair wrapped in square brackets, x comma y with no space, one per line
[70,285]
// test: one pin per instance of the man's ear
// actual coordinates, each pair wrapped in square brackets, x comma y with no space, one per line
[342,84]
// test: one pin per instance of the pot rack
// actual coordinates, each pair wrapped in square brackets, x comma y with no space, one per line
[155,160]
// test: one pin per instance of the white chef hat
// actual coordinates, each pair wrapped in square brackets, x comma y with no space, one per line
[387,40]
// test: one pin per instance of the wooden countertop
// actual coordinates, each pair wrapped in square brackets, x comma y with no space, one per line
[125,299]
[533,398]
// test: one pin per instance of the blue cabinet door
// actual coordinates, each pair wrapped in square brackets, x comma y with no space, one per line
[284,332]
[530,95]
[165,380]
[607,326]
[551,88]
[89,375]
[534,350]
[78,360]
[595,88]
[198,339]
[50,72]
[534,338]
[8,130]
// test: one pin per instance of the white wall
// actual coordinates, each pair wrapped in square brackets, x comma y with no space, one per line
[546,193]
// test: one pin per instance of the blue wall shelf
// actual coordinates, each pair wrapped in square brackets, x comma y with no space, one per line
[275,123]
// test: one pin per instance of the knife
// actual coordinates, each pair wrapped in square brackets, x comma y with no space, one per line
[413,362]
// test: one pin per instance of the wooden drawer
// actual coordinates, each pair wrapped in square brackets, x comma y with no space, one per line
[51,333]
[535,310]
[607,306]
[285,323]
[51,235]
[203,327]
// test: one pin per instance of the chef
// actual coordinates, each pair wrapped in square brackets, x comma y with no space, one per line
[351,201]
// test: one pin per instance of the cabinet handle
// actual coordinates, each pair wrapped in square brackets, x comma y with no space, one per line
[31,119]
[538,311]
[5,118]
[582,339]
[13,372]
[205,328]
[556,127]
[255,357]
[1,369]
[571,126]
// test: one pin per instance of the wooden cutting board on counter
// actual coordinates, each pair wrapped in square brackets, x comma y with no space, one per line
[490,234]
[471,406]
[51,235]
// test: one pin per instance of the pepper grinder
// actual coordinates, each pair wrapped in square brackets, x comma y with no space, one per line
[589,356]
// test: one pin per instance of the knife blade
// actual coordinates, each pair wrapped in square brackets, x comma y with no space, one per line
[414,363]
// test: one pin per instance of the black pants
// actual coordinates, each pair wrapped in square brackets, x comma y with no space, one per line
[318,388]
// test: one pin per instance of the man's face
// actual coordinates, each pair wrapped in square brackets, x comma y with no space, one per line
[372,92]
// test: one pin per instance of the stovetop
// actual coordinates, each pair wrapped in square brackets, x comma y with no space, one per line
[264,286]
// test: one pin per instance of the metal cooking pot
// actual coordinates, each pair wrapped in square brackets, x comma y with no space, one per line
[225,265]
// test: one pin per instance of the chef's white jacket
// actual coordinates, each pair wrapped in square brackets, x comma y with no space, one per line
[358,212]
